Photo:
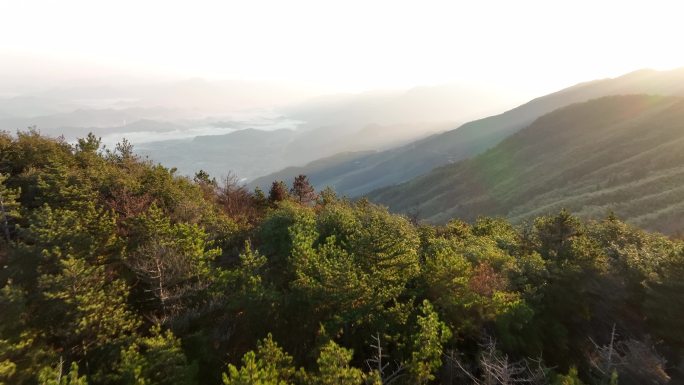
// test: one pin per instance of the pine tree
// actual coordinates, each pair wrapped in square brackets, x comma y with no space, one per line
[156,360]
[278,192]
[269,365]
[334,369]
[172,261]
[428,343]
[18,353]
[572,378]
[89,144]
[57,376]
[259,199]
[9,210]
[92,308]
[302,190]
[202,177]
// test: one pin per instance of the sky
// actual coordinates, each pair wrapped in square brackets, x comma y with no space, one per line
[526,47]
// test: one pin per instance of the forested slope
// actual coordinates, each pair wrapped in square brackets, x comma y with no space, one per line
[385,168]
[116,271]
[622,153]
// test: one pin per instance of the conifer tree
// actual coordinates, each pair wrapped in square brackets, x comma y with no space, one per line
[92,309]
[278,192]
[9,209]
[334,367]
[427,342]
[302,190]
[156,360]
[58,376]
[269,365]
[89,144]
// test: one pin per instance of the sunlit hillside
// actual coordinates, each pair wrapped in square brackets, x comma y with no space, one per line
[622,153]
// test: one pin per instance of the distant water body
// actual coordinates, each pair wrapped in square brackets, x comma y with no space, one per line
[190,130]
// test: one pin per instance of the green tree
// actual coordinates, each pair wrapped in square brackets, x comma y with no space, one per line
[334,367]
[9,212]
[56,376]
[203,178]
[85,310]
[173,261]
[89,144]
[351,263]
[270,365]
[86,232]
[663,302]
[428,345]
[19,356]
[572,378]
[155,360]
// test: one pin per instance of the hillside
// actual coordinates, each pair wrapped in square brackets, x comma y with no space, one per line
[621,153]
[379,120]
[320,170]
[247,153]
[404,163]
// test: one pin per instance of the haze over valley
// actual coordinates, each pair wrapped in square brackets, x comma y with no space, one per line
[162,118]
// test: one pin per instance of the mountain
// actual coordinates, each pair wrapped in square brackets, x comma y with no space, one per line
[247,153]
[79,122]
[321,171]
[403,163]
[336,124]
[619,153]
[173,112]
[379,120]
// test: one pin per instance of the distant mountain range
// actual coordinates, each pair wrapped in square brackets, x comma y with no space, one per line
[351,124]
[162,119]
[362,174]
[247,152]
[619,153]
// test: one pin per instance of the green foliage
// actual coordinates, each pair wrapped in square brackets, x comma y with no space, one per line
[334,367]
[252,373]
[569,379]
[140,276]
[85,310]
[664,304]
[268,366]
[55,376]
[89,144]
[173,261]
[428,342]
[12,342]
[9,210]
[155,360]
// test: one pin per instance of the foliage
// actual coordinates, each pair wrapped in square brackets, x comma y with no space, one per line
[154,360]
[428,343]
[56,376]
[118,271]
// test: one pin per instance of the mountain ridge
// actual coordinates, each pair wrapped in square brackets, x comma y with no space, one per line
[617,153]
[403,163]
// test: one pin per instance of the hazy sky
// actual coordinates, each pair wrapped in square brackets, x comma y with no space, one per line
[527,46]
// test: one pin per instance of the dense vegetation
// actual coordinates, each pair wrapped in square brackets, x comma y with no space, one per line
[116,271]
[619,153]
